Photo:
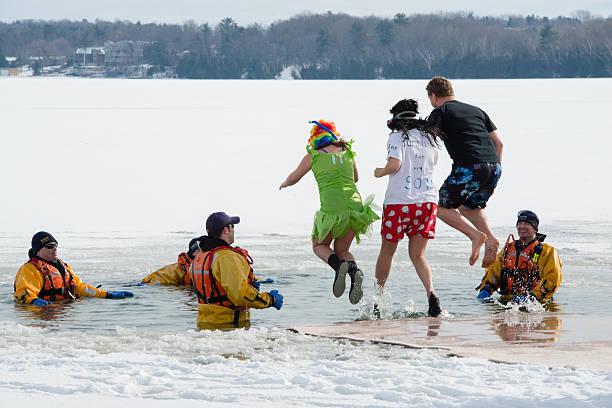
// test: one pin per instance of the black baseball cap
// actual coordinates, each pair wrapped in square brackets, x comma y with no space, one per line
[219,220]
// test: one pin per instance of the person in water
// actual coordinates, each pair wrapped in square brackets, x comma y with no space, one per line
[223,279]
[176,273]
[45,278]
[473,144]
[410,205]
[525,268]
[342,216]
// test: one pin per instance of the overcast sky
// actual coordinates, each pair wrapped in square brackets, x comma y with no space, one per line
[267,11]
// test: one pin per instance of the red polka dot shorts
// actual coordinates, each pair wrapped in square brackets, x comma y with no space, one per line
[408,219]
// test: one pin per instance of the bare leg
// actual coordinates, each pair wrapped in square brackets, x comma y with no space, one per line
[383,263]
[343,244]
[322,249]
[454,218]
[416,250]
[478,218]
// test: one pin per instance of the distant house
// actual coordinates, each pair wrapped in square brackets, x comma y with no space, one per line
[122,54]
[90,56]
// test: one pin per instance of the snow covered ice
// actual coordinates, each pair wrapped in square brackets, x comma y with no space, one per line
[268,366]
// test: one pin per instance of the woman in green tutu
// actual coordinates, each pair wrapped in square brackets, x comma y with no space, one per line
[343,216]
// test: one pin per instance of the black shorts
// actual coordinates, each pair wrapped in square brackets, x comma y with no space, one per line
[470,186]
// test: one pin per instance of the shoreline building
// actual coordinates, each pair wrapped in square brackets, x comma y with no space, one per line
[89,56]
[124,57]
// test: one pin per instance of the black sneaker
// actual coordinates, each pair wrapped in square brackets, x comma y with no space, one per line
[376,311]
[356,275]
[340,279]
[434,306]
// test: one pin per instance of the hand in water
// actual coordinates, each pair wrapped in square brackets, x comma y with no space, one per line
[119,295]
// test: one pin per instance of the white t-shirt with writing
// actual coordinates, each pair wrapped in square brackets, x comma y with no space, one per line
[413,182]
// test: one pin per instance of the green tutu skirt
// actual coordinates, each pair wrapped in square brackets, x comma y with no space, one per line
[339,224]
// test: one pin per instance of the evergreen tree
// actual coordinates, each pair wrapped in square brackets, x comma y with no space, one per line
[547,36]
[384,30]
[400,18]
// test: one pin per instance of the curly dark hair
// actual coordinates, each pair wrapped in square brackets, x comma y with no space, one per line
[404,119]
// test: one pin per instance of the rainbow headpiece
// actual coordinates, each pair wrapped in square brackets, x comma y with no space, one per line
[322,133]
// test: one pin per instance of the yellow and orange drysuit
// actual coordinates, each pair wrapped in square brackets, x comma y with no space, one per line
[39,279]
[222,278]
[532,269]
[173,274]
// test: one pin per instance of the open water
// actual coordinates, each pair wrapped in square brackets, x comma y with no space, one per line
[124,173]
[119,260]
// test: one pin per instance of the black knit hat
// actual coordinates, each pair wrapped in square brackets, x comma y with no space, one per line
[529,217]
[193,245]
[39,240]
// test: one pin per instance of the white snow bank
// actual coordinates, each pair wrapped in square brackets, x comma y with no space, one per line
[271,367]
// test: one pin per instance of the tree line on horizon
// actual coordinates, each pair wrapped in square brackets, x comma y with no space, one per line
[340,46]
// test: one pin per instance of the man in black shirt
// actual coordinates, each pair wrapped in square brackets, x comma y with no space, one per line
[472,142]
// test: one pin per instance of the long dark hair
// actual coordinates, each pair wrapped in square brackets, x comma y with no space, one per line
[404,119]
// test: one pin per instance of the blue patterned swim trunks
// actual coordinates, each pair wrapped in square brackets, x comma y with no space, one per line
[470,186]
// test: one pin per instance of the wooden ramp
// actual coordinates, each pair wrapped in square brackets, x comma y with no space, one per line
[551,339]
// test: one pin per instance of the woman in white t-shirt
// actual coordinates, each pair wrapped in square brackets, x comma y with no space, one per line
[410,205]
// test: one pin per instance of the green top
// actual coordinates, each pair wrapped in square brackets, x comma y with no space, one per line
[341,205]
[336,180]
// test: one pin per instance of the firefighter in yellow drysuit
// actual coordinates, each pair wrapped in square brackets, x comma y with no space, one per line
[223,278]
[46,278]
[525,268]
[178,272]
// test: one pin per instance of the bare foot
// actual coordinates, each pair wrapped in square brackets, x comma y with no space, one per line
[491,248]
[477,242]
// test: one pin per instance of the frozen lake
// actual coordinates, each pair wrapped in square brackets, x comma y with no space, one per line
[124,173]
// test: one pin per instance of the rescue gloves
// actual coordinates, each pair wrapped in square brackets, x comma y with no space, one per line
[40,302]
[119,295]
[522,299]
[485,293]
[276,299]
